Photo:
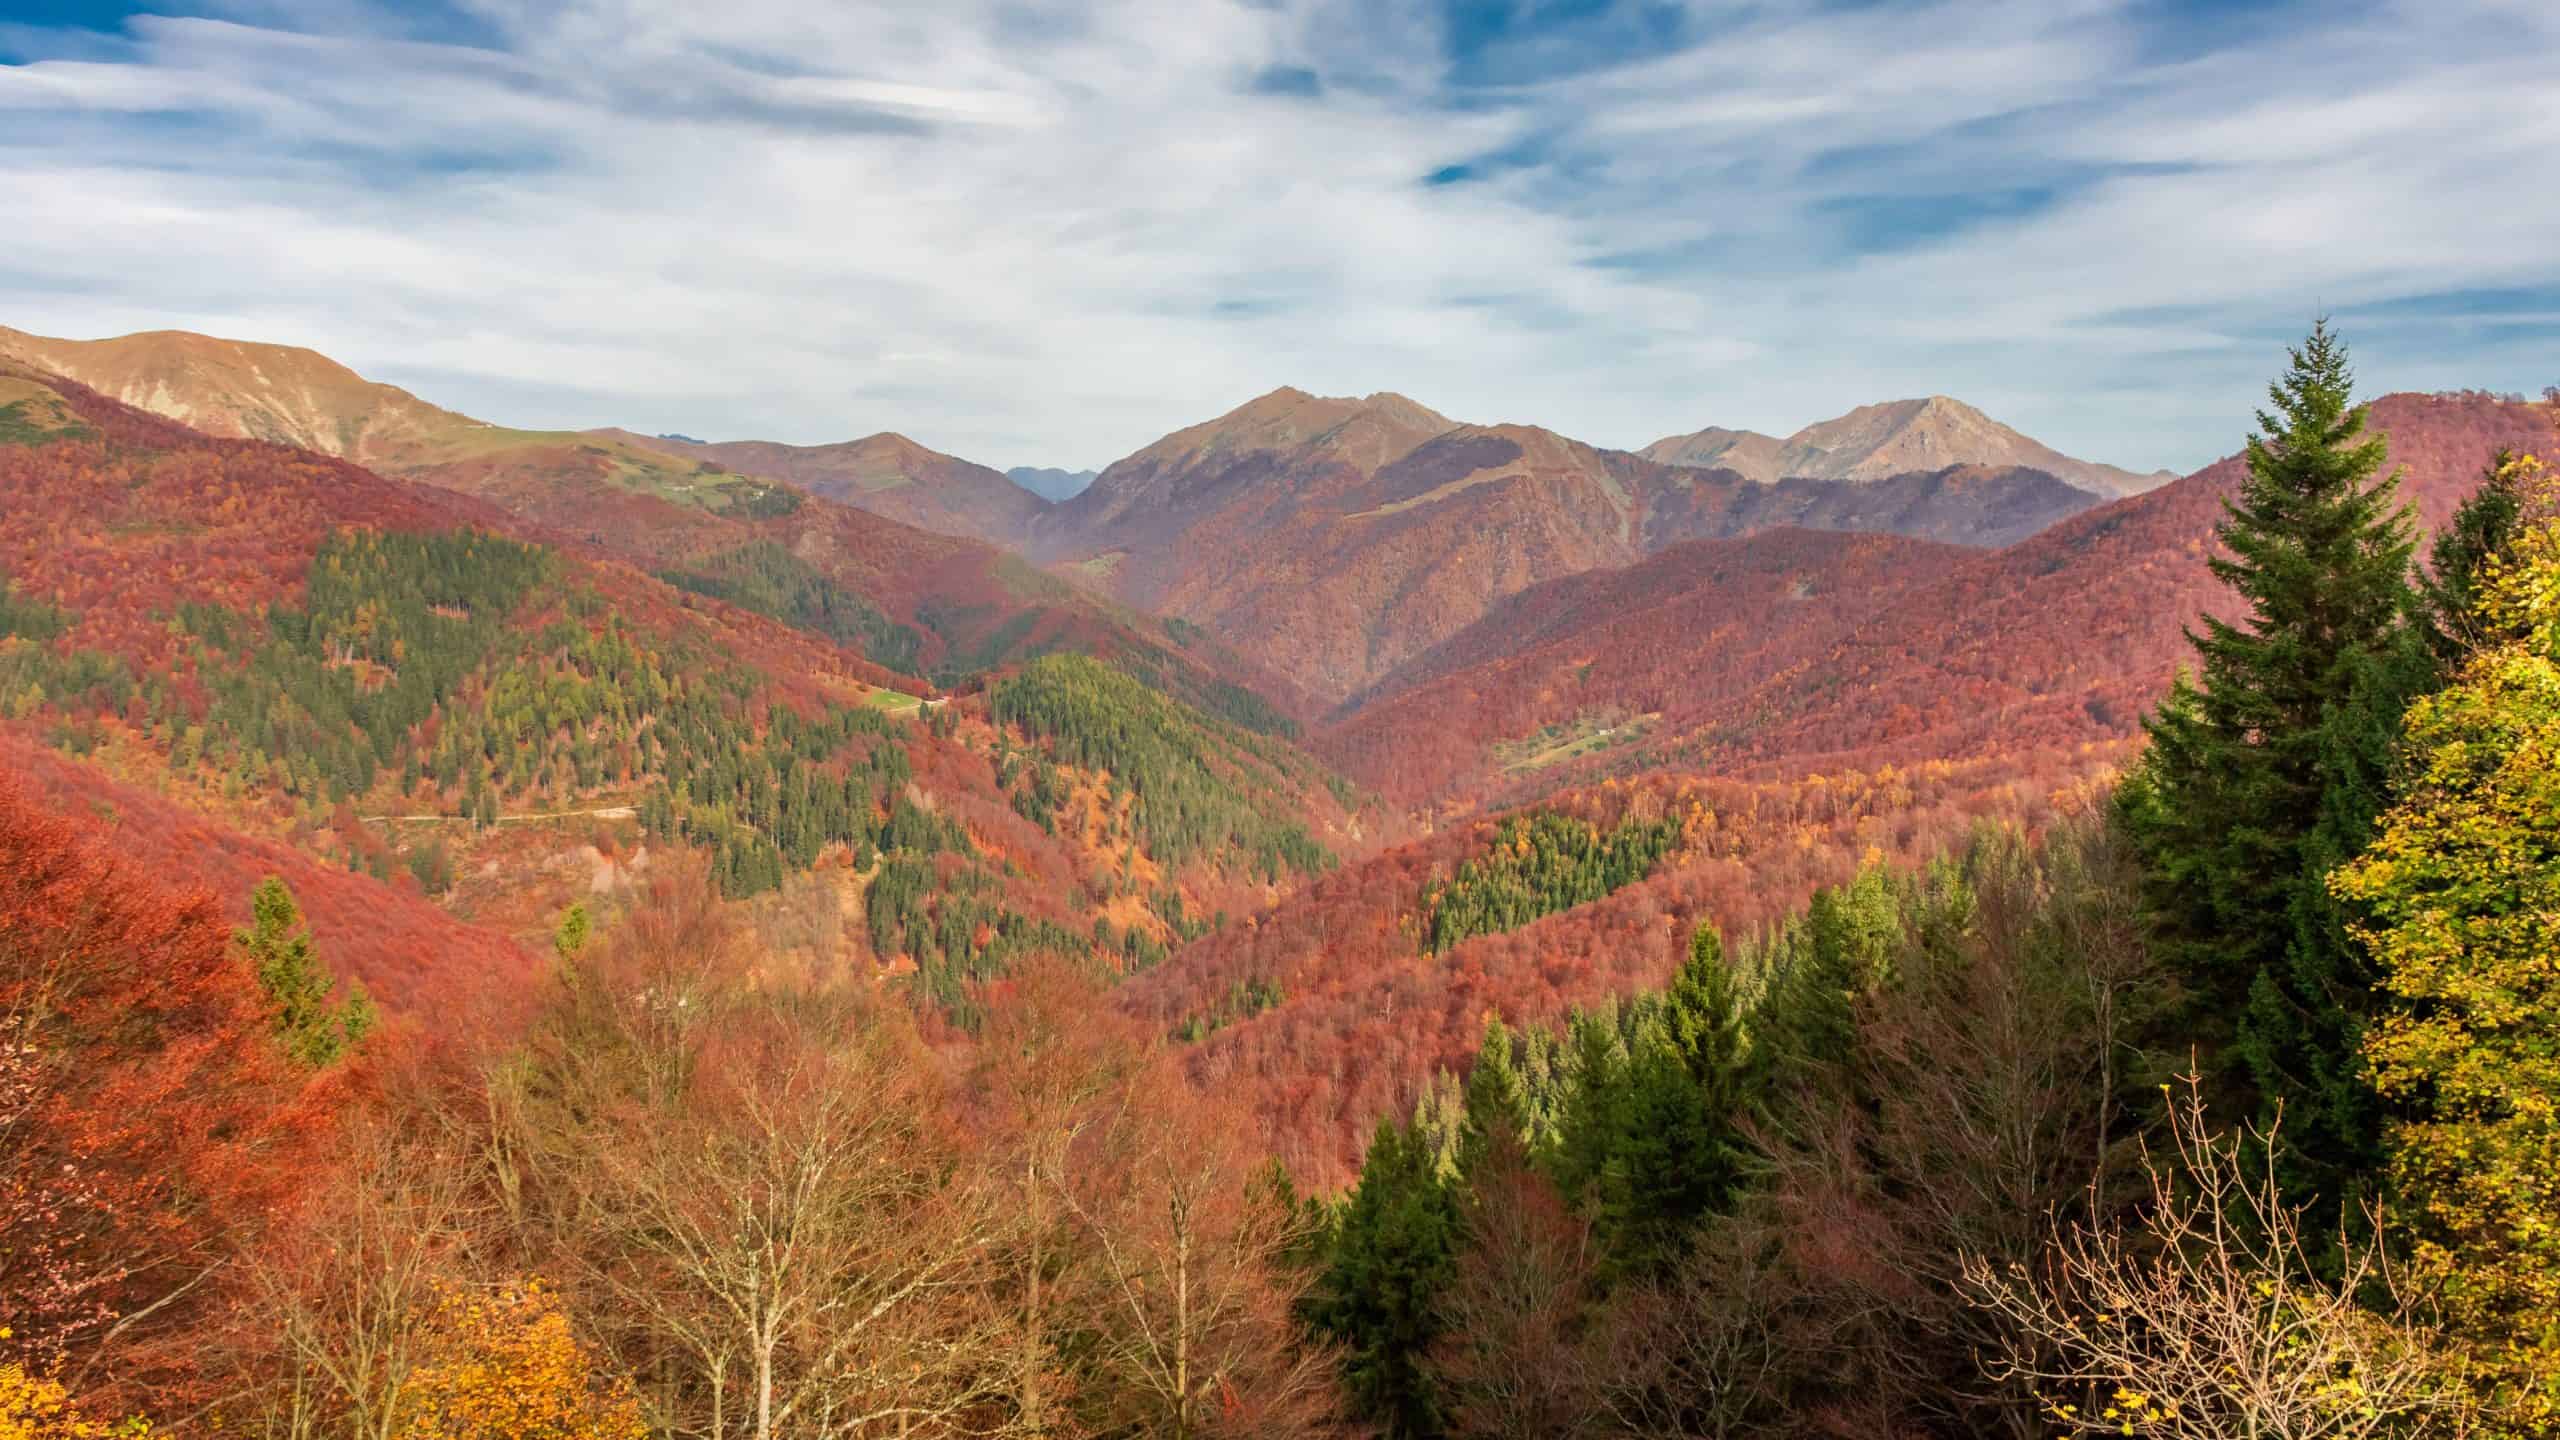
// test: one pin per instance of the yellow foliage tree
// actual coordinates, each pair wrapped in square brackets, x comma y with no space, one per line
[37,1407]
[506,1366]
[2461,901]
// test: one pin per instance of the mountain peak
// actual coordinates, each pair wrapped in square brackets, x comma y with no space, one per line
[892,443]
[1371,429]
[1891,437]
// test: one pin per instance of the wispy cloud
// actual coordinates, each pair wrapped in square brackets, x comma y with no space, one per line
[1046,235]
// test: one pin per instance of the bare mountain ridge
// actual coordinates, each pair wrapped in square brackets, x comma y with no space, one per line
[244,390]
[1893,438]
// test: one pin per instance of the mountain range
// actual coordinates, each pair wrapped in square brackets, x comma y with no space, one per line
[1336,538]
[1759,655]
[825,544]
[1318,542]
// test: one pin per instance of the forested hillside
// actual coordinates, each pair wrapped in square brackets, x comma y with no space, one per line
[404,684]
[811,552]
[1385,971]
[2207,1113]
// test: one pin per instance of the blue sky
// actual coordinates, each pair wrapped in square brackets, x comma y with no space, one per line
[1046,234]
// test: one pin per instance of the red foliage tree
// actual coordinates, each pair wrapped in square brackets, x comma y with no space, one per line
[149,1127]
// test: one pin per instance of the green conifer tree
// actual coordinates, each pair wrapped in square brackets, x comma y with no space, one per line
[570,938]
[310,1028]
[2265,770]
[2460,560]
[1676,1154]
[1388,1260]
[1497,1099]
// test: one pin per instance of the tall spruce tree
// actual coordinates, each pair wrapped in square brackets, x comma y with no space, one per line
[2267,770]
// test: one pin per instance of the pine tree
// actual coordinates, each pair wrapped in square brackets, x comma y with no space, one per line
[1804,1022]
[308,1026]
[1676,1154]
[1388,1261]
[2263,771]
[1703,1011]
[1595,1073]
[1497,1099]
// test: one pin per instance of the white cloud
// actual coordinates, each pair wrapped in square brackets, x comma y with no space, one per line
[1030,236]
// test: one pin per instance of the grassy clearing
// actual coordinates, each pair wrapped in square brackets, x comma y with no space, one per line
[1585,734]
[31,413]
[893,702]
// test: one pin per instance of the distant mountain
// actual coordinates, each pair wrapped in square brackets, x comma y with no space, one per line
[1335,538]
[886,474]
[247,390]
[1793,651]
[252,391]
[1902,436]
[1051,484]
[1212,473]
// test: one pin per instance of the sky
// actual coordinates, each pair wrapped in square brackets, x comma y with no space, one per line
[1032,232]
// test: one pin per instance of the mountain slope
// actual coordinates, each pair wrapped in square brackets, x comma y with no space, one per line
[392,679]
[1873,442]
[1904,653]
[1271,453]
[250,391]
[1793,701]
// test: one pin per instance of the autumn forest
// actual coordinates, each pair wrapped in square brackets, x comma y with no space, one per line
[1350,925]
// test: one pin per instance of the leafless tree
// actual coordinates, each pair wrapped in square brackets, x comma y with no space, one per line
[1196,1332]
[2205,1319]
[1511,1364]
[348,1301]
[788,1249]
